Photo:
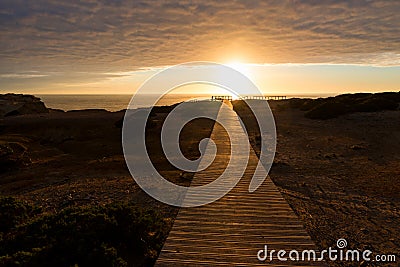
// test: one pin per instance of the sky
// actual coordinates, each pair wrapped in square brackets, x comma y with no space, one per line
[284,46]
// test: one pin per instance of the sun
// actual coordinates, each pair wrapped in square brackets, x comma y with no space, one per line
[243,68]
[240,67]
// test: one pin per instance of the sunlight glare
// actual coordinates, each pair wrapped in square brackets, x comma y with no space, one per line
[240,67]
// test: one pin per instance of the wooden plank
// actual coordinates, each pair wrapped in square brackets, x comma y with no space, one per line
[231,230]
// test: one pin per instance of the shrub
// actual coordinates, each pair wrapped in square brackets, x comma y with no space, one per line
[14,212]
[296,102]
[361,102]
[327,110]
[351,98]
[12,156]
[114,235]
[393,96]
[310,104]
[375,104]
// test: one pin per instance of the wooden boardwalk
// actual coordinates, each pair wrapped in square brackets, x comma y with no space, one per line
[231,230]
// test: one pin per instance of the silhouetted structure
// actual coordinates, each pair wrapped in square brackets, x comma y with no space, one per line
[256,97]
[278,97]
[221,98]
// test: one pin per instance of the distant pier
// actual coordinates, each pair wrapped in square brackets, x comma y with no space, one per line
[256,97]
[221,98]
[276,97]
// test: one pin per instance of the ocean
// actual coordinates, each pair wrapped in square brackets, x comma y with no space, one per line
[119,102]
[110,102]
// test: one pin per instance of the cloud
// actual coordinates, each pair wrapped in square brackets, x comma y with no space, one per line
[115,36]
[27,75]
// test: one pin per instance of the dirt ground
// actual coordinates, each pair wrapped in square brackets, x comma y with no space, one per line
[75,158]
[339,175]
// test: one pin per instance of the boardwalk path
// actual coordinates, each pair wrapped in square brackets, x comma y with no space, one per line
[230,231]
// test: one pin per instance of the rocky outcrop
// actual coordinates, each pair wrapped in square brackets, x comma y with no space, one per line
[19,104]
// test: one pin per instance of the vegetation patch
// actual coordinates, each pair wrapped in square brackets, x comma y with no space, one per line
[113,235]
[332,107]
[327,110]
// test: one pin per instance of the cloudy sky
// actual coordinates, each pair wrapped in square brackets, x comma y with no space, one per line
[310,46]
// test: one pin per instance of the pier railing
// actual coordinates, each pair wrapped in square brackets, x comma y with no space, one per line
[221,98]
[227,97]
